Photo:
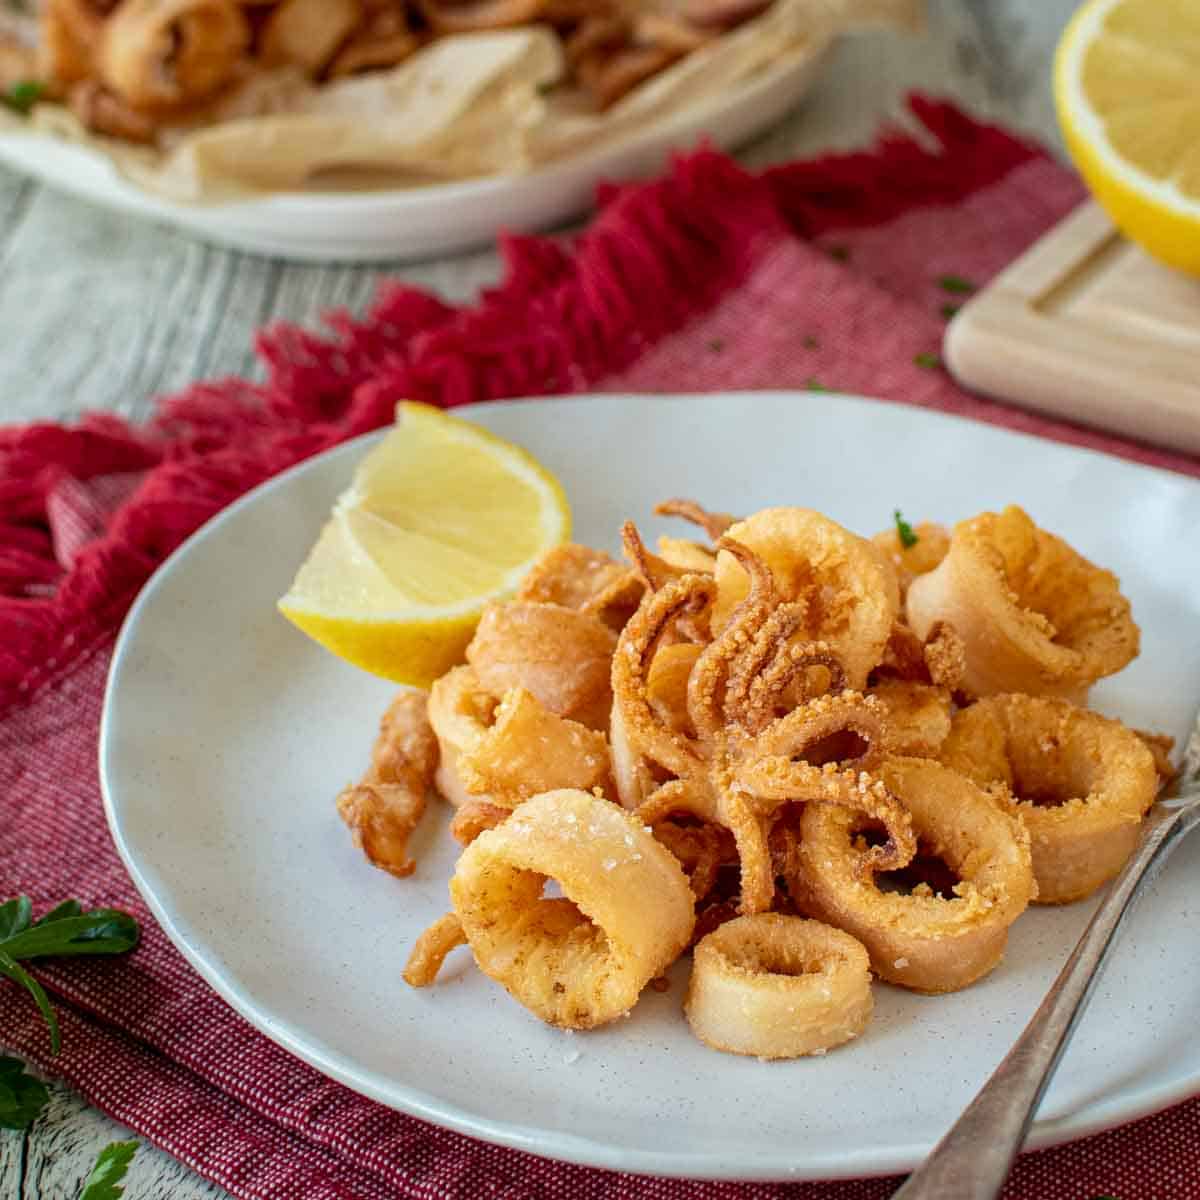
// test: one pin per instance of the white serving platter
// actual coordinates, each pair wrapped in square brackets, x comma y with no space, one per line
[420,222]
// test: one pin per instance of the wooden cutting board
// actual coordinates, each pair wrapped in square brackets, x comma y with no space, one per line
[1086,326]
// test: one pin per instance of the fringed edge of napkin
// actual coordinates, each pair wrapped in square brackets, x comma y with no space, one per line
[564,315]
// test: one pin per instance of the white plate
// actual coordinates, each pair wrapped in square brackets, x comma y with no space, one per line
[418,223]
[227,734]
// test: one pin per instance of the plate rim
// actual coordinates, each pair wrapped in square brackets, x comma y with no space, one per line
[1110,1112]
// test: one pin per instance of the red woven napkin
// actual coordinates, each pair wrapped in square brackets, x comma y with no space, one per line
[820,273]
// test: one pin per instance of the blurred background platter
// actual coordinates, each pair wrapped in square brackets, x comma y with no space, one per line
[417,223]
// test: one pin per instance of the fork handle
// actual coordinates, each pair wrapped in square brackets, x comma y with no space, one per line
[972,1161]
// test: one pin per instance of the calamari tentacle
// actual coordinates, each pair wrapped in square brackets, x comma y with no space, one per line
[777,782]
[701,849]
[711,672]
[735,811]
[775,770]
[739,814]
[714,524]
[653,571]
[647,734]
[778,629]
[796,737]
[789,664]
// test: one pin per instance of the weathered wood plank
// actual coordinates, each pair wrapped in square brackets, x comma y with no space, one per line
[53,1159]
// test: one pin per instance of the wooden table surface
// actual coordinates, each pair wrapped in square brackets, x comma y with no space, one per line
[100,311]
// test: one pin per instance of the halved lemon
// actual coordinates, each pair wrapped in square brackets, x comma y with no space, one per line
[442,517]
[1127,89]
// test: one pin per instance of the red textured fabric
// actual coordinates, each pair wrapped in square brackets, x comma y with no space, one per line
[822,272]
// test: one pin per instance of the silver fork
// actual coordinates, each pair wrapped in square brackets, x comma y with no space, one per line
[972,1161]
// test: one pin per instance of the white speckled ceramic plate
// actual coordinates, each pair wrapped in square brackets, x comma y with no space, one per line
[231,835]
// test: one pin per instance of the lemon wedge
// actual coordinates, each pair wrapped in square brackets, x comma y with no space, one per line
[441,517]
[1127,89]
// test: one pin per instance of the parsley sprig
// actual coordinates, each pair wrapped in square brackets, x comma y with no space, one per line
[64,932]
[21,97]
[104,1181]
[908,537]
[956,285]
[22,1096]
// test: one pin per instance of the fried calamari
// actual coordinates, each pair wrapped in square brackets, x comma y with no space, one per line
[918,936]
[1082,784]
[776,986]
[387,804]
[1034,616]
[580,959]
[768,747]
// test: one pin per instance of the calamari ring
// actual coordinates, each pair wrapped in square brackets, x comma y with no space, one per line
[461,711]
[160,54]
[776,986]
[917,716]
[1082,784]
[921,941]
[1034,616]
[933,541]
[625,915]
[849,587]
[562,656]
[528,750]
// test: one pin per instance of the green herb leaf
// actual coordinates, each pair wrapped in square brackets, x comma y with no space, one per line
[949,310]
[956,285]
[810,342]
[22,1097]
[18,974]
[64,932]
[930,362]
[14,917]
[101,931]
[111,1165]
[841,253]
[815,385]
[21,97]
[716,345]
[907,537]
[68,908]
